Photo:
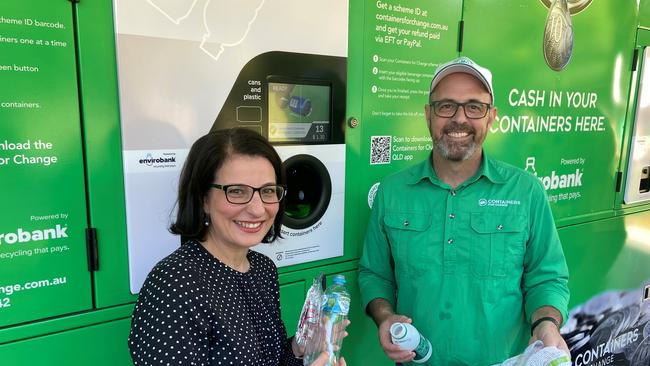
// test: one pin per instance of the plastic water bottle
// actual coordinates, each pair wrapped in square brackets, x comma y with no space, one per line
[408,338]
[334,311]
[308,330]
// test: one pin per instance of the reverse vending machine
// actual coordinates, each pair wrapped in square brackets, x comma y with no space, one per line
[297,101]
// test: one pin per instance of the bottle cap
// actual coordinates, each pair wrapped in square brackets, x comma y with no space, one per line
[339,279]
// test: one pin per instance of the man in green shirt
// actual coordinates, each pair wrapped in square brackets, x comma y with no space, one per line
[461,245]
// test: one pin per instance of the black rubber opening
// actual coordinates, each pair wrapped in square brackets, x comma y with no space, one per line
[309,189]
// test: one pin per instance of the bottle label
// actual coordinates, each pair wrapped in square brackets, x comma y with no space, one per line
[336,303]
[423,349]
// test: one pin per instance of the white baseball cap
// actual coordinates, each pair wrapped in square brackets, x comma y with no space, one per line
[465,65]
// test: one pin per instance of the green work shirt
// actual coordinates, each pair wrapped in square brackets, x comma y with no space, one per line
[469,265]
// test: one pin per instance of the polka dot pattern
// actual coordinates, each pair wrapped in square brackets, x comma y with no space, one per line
[195,310]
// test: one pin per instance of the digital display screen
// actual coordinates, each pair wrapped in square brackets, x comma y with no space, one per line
[299,112]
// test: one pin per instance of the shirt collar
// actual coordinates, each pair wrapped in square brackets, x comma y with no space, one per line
[490,170]
[487,169]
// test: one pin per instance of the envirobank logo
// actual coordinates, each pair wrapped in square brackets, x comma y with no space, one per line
[26,236]
[166,160]
[555,180]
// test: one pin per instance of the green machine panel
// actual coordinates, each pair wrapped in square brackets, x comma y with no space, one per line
[561,89]
[394,48]
[43,264]
[102,144]
[290,305]
[607,254]
[98,345]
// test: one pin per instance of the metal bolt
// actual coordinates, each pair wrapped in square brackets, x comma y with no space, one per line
[353,122]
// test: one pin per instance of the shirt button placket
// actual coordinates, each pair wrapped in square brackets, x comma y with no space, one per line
[451,216]
[449,250]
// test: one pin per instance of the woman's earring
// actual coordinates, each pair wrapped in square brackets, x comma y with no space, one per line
[206,219]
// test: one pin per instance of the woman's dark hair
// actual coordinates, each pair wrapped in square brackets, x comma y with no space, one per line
[205,158]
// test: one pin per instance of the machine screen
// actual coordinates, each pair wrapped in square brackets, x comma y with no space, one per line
[299,113]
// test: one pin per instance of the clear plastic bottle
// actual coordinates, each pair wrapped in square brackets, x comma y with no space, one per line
[307,333]
[334,311]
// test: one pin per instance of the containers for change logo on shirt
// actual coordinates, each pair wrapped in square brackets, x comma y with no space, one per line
[498,202]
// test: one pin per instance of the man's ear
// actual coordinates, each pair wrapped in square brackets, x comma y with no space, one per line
[493,116]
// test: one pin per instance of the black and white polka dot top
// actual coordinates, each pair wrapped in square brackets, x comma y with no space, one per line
[195,310]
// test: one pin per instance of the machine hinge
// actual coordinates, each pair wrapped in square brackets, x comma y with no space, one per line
[91,249]
[619,180]
[461,28]
[635,59]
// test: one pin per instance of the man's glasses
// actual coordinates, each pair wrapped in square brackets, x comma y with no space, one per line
[241,193]
[448,108]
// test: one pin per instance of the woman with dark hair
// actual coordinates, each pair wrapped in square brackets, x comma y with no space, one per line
[213,301]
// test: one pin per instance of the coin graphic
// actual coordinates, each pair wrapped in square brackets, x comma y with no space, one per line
[580,344]
[558,36]
[575,6]
[601,303]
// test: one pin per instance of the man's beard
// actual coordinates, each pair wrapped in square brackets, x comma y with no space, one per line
[454,150]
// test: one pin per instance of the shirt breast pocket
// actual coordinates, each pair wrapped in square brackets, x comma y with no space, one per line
[412,241]
[500,244]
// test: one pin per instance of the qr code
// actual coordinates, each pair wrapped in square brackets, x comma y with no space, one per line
[379,150]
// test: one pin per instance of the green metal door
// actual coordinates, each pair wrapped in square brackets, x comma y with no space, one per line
[564,124]
[394,48]
[43,262]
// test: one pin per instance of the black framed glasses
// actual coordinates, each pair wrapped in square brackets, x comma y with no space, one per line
[448,108]
[242,193]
